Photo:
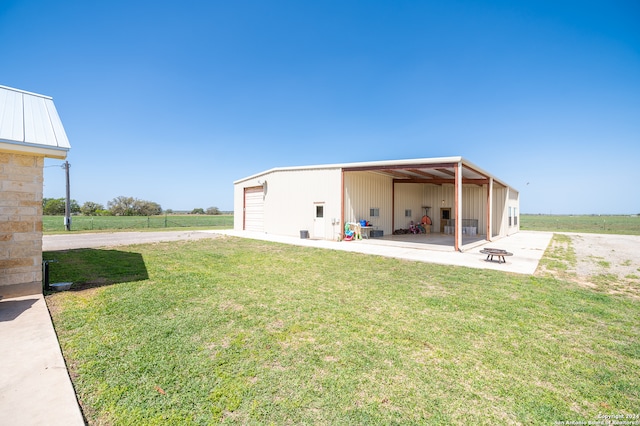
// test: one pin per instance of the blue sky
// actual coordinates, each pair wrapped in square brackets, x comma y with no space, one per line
[171,101]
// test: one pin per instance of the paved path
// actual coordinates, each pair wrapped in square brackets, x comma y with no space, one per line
[35,388]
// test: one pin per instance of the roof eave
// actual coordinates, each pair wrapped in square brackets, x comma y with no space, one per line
[37,150]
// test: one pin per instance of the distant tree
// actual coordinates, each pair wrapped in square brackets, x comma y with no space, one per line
[146,208]
[89,208]
[169,211]
[56,206]
[213,211]
[53,206]
[121,206]
[129,206]
[197,211]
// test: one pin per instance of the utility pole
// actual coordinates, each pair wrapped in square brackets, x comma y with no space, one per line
[67,204]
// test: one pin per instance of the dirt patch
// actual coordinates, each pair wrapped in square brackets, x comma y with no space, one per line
[609,263]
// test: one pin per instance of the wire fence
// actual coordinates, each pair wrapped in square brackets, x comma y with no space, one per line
[105,223]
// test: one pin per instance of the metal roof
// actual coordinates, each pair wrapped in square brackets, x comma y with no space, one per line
[29,123]
[438,171]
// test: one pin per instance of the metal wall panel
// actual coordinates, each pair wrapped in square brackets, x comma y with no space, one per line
[292,197]
[443,196]
[290,200]
[514,205]
[498,224]
[439,197]
[364,191]
[408,196]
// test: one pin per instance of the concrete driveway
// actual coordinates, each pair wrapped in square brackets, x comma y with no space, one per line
[112,239]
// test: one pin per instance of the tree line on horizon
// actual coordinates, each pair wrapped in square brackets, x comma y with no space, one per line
[119,206]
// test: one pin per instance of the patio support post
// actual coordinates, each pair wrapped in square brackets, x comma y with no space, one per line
[393,205]
[341,230]
[458,207]
[489,208]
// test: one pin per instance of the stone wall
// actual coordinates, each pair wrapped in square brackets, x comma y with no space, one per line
[21,178]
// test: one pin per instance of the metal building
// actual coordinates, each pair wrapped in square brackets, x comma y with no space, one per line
[459,198]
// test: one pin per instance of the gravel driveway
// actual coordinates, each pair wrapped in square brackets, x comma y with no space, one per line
[610,263]
[606,254]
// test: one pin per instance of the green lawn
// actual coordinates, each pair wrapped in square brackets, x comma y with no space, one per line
[625,225]
[247,332]
[55,224]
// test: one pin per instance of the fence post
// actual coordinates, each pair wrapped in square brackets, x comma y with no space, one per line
[165,220]
[148,222]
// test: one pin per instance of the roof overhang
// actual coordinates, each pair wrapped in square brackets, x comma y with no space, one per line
[29,124]
[436,171]
[37,150]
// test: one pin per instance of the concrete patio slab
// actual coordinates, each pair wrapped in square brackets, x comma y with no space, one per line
[527,247]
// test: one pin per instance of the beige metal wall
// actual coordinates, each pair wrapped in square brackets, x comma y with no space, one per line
[290,200]
[474,201]
[364,191]
[514,203]
[498,223]
[503,199]
[408,196]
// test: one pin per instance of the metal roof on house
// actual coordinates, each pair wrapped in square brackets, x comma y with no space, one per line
[29,123]
[437,170]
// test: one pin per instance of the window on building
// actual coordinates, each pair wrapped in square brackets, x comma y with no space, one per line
[374,212]
[407,213]
[510,216]
[319,211]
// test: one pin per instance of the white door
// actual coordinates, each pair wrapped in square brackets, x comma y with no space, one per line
[254,209]
[318,221]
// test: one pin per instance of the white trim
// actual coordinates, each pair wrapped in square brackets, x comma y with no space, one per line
[32,149]
[25,92]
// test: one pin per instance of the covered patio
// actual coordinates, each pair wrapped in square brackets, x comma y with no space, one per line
[436,241]
[460,203]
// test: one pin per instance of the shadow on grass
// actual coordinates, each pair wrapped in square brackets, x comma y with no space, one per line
[90,268]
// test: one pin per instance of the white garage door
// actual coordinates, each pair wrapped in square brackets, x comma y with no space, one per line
[254,209]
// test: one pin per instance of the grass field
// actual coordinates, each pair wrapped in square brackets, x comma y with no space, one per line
[54,224]
[627,225]
[248,332]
